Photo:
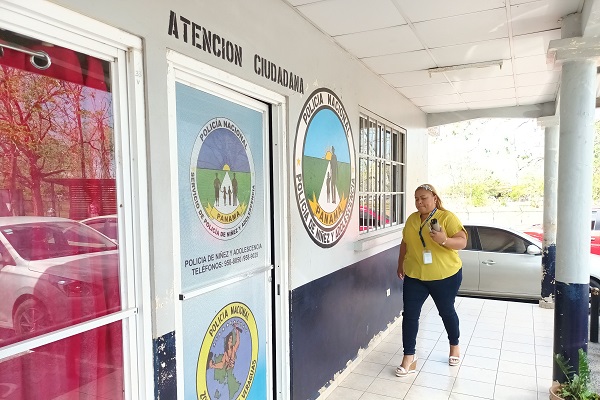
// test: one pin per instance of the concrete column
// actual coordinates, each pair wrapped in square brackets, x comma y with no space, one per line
[577,104]
[550,205]
[577,55]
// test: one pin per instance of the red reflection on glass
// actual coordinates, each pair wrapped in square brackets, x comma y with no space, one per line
[84,366]
[57,159]
[56,132]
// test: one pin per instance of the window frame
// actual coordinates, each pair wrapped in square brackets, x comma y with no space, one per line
[381,173]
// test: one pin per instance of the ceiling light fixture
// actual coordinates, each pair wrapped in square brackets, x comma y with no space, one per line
[495,63]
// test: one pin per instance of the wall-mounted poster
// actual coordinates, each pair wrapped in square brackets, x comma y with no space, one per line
[225,347]
[324,168]
[222,191]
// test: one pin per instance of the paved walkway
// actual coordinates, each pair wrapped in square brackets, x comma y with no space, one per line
[507,354]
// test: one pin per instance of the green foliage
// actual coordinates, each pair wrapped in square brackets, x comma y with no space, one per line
[531,190]
[479,194]
[576,386]
[479,190]
[518,193]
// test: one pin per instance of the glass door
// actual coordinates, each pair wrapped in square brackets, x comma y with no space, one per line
[64,303]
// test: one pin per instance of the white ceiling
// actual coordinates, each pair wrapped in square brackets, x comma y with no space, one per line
[401,39]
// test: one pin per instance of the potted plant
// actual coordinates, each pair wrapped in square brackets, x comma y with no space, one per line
[577,386]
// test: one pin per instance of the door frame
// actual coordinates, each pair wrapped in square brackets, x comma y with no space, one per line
[53,23]
[279,205]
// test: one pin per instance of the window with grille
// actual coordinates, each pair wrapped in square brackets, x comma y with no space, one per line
[382,168]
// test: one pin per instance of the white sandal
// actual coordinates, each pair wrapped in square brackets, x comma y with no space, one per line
[454,360]
[412,368]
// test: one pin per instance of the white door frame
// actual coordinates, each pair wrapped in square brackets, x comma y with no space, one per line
[50,22]
[279,205]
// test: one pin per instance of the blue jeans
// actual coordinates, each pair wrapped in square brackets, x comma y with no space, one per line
[443,292]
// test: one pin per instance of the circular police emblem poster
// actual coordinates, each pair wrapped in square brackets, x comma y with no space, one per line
[222,178]
[324,168]
[229,355]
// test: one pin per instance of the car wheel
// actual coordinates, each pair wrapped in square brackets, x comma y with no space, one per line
[30,317]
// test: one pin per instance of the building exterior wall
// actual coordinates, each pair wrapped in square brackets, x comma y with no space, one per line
[333,316]
[318,276]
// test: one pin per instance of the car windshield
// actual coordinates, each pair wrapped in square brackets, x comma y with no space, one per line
[43,240]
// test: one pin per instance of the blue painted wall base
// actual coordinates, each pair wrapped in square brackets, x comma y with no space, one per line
[571,317]
[165,378]
[331,318]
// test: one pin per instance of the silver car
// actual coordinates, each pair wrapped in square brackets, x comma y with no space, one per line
[54,272]
[502,262]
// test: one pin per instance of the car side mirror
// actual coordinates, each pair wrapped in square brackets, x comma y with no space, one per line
[533,250]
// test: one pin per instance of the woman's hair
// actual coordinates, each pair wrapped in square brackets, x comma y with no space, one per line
[438,201]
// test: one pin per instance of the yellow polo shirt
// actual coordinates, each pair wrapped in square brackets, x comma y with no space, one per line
[445,261]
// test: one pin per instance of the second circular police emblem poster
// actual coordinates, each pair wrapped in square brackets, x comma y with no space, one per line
[324,168]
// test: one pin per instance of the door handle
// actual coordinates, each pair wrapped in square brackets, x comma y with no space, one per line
[488,262]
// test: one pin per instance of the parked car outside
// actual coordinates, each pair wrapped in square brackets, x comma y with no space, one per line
[370,220]
[502,262]
[54,272]
[537,232]
[105,224]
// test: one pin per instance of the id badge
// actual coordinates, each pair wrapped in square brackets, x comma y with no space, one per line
[427,258]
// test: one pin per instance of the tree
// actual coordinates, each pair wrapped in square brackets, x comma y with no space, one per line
[51,128]
[479,160]
[27,102]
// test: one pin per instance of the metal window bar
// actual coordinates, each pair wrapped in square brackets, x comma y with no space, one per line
[382,150]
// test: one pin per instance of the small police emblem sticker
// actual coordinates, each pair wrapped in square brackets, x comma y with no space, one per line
[324,168]
[222,180]
[229,355]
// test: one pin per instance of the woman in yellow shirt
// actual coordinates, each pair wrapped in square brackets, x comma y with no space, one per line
[429,265]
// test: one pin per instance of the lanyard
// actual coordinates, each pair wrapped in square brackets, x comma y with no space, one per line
[422,225]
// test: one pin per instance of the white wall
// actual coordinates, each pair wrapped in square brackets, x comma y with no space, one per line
[275,31]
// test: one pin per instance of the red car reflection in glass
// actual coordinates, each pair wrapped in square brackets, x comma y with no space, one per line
[537,232]
[54,272]
[369,220]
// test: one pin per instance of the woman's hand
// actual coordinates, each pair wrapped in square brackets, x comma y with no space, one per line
[401,259]
[438,237]
[401,270]
[456,242]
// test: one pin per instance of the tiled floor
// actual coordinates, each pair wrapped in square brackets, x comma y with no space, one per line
[506,354]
